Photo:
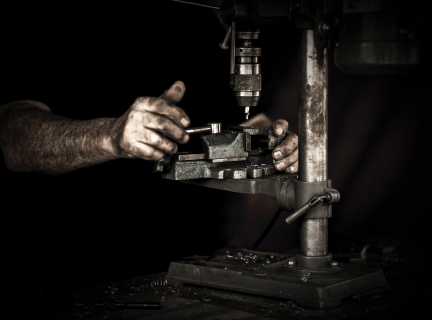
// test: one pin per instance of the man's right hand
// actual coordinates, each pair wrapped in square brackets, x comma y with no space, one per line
[151,126]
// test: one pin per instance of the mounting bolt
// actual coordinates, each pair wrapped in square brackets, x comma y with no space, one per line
[334,264]
[291,263]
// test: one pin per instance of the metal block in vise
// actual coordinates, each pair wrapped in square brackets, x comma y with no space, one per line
[224,145]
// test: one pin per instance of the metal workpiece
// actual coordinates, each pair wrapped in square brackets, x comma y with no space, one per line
[314,237]
[313,111]
[224,145]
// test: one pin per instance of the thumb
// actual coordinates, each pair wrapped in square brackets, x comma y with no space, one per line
[175,93]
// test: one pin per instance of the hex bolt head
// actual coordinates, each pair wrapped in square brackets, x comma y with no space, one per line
[334,264]
[291,263]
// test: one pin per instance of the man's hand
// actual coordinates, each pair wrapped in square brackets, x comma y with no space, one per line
[285,153]
[151,125]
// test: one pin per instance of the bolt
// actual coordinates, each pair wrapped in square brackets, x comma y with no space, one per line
[334,264]
[224,43]
[291,263]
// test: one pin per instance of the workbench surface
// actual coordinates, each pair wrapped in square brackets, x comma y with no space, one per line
[407,271]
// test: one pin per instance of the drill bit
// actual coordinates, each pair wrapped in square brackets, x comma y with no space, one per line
[247,112]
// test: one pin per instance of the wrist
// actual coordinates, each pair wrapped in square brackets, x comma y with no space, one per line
[109,141]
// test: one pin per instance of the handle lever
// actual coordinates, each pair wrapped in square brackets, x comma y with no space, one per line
[303,209]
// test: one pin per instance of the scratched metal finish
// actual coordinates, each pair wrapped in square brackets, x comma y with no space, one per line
[313,128]
[313,113]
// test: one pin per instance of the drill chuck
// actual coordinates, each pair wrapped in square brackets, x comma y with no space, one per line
[246,80]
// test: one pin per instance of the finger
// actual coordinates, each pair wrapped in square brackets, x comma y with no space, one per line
[144,151]
[282,164]
[280,127]
[163,107]
[175,93]
[292,168]
[166,127]
[156,140]
[286,147]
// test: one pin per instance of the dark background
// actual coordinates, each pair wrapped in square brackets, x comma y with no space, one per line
[116,220]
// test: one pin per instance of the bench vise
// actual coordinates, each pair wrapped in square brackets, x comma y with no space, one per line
[229,152]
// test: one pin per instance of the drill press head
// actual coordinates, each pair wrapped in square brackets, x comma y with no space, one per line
[247,72]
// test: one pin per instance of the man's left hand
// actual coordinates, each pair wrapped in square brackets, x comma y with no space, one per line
[286,153]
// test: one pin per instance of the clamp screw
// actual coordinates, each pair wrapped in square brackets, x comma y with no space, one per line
[291,263]
[224,43]
[334,264]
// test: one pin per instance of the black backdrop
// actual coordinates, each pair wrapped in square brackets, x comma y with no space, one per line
[117,220]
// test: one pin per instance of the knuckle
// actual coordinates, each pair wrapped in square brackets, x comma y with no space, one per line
[140,101]
[162,123]
[159,104]
[155,139]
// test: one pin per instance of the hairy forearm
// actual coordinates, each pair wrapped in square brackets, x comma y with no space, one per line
[33,139]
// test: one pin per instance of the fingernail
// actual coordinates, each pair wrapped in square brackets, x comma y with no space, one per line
[177,88]
[185,122]
[279,131]
[292,168]
[277,154]
[279,165]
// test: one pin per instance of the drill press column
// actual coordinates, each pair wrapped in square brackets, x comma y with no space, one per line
[313,115]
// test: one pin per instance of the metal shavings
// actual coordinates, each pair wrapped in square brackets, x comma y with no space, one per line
[306,276]
[159,283]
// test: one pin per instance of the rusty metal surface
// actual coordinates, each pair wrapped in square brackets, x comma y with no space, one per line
[313,129]
[313,110]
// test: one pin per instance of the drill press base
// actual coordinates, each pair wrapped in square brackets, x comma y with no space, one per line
[267,274]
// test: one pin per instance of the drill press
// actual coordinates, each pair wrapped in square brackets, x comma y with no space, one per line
[368,46]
